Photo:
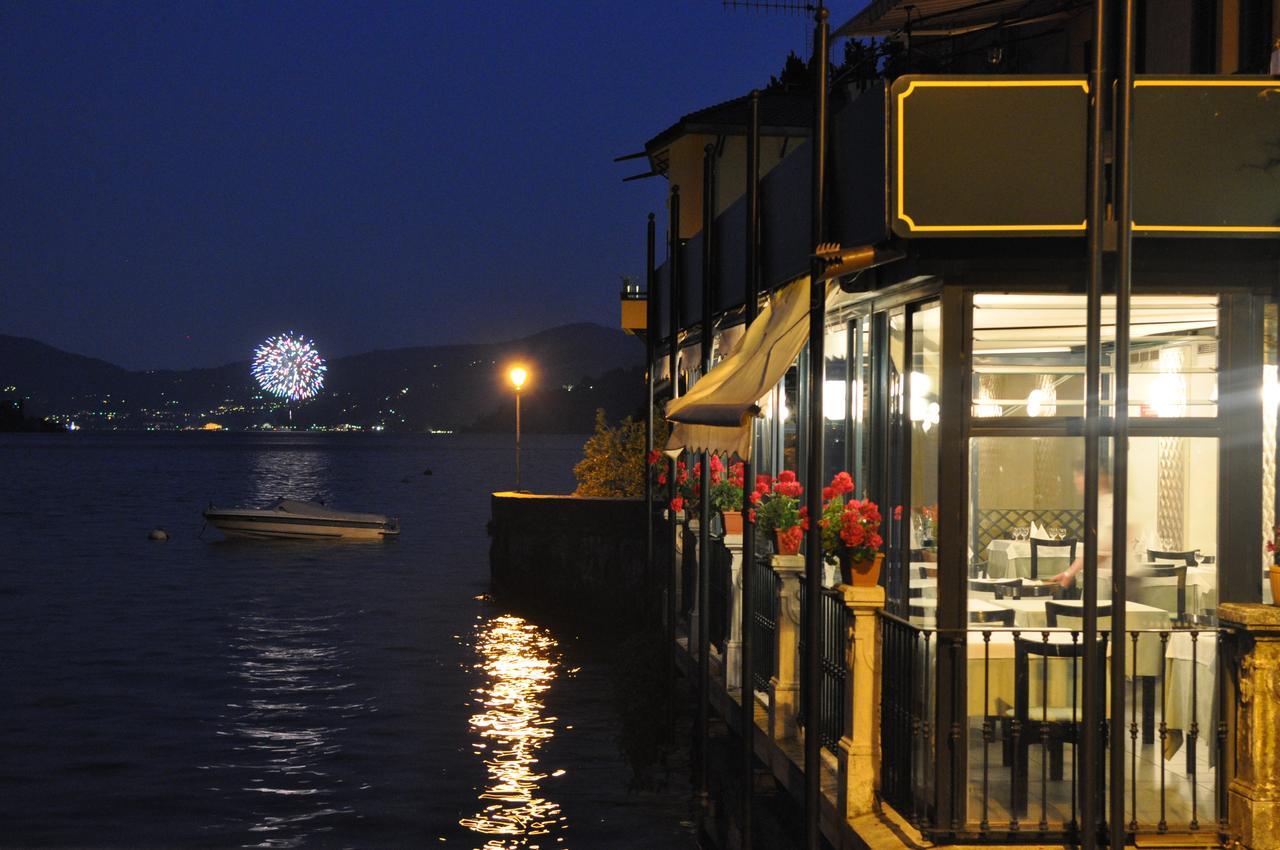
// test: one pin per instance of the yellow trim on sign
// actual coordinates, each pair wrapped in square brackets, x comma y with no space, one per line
[956,228]
[1188,83]
[1189,228]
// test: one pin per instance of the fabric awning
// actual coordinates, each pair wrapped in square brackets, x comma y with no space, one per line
[716,414]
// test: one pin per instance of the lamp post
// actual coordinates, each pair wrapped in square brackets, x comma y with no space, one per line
[518,374]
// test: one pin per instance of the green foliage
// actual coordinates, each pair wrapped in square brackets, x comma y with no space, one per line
[613,458]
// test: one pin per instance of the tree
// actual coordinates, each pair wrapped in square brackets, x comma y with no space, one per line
[794,76]
[613,459]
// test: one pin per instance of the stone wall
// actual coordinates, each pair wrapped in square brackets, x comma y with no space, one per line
[580,557]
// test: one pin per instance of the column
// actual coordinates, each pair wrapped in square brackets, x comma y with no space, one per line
[784,687]
[859,746]
[1254,793]
[733,641]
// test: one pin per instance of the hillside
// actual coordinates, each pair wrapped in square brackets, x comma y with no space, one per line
[575,368]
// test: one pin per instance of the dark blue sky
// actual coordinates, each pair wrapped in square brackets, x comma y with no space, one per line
[179,180]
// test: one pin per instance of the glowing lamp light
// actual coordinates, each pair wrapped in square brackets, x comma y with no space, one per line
[833,400]
[920,408]
[1270,388]
[1035,402]
[518,375]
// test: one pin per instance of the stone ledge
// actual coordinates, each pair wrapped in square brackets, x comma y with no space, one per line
[1252,616]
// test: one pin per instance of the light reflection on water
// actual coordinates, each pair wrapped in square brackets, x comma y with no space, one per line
[519,661]
[283,732]
[292,474]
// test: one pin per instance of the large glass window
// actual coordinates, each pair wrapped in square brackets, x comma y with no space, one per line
[923,383]
[1026,523]
[837,400]
[1029,355]
[845,400]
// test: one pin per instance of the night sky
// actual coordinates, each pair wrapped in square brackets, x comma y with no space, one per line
[180,180]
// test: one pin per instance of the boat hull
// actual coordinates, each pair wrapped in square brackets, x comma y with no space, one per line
[276,525]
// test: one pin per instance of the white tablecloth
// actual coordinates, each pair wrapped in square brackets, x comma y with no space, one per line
[1012,559]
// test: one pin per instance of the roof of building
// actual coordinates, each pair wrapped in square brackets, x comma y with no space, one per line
[940,17]
[782,113]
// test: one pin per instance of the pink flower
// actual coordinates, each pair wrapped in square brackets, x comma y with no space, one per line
[654,457]
[677,504]
[828,493]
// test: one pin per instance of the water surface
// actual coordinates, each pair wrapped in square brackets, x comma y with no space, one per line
[210,693]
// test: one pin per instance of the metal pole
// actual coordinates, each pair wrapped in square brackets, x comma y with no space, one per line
[650,330]
[748,697]
[813,482]
[673,527]
[704,497]
[517,439]
[1123,148]
[1091,790]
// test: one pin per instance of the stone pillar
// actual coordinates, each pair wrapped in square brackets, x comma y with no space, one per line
[784,687]
[859,746]
[1253,808]
[733,641]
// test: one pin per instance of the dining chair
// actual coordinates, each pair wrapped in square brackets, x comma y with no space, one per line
[1180,573]
[1051,726]
[988,585]
[927,570]
[1026,591]
[1053,611]
[1188,557]
[1037,543]
[1003,617]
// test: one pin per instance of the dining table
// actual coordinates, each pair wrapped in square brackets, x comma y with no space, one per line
[1162,591]
[1012,559]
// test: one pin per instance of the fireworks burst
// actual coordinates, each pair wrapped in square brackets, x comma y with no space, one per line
[289,366]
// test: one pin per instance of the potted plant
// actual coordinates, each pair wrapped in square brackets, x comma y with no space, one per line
[726,494]
[778,511]
[851,533]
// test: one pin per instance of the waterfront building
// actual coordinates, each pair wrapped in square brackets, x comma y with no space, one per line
[1010,334]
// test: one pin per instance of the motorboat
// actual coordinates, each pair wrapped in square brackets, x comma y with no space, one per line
[297,520]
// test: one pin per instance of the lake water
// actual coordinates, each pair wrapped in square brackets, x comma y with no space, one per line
[205,693]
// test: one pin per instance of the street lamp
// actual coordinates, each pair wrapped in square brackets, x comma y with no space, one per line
[518,374]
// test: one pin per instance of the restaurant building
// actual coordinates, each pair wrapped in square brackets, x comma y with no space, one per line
[1049,353]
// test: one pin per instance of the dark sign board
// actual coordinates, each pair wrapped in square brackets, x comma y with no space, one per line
[996,155]
[1206,156]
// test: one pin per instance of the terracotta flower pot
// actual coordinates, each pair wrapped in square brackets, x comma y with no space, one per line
[732,522]
[861,573]
[1275,584]
[788,544]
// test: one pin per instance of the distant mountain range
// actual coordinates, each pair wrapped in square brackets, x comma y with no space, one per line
[574,369]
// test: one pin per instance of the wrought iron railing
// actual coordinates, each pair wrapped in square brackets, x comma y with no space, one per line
[833,632]
[906,744]
[718,601]
[1023,727]
[765,586]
